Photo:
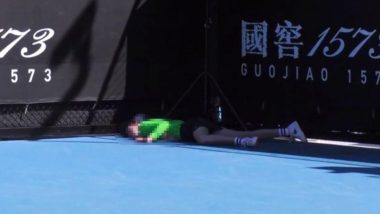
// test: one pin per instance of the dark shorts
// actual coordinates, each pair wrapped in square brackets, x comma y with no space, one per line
[189,126]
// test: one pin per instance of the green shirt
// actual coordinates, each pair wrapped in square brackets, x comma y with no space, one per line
[156,128]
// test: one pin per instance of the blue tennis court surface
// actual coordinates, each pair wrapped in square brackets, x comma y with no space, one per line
[110,174]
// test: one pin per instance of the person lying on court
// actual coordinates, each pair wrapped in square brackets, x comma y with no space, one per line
[202,131]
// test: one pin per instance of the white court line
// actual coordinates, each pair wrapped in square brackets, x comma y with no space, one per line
[344,143]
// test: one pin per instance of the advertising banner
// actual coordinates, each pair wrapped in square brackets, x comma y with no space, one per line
[53,51]
[302,59]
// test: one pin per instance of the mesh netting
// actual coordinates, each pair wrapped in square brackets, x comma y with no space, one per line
[57,115]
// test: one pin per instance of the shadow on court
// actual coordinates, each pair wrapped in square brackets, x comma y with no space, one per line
[343,170]
[344,159]
[347,159]
[271,148]
[298,150]
[321,151]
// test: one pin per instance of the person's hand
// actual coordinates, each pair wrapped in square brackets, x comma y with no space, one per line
[144,139]
[139,139]
[149,140]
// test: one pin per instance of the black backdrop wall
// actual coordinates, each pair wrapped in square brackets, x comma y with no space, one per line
[275,60]
[165,54]
[62,66]
[93,62]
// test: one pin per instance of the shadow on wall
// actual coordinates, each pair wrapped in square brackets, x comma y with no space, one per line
[135,82]
[163,42]
[79,50]
[119,116]
[164,53]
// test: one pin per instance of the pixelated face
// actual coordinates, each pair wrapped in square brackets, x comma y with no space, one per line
[133,129]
